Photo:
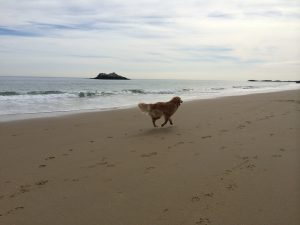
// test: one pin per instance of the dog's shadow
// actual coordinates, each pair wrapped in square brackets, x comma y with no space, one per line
[157,131]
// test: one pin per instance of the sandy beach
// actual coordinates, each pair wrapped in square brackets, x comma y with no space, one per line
[226,161]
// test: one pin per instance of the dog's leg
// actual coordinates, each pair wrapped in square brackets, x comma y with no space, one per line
[153,121]
[171,122]
[166,120]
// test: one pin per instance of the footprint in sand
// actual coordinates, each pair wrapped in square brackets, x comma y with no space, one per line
[91,166]
[227,172]
[241,157]
[110,165]
[211,194]
[251,166]
[208,136]
[42,166]
[41,182]
[203,221]
[149,154]
[241,126]
[276,156]
[195,198]
[223,131]
[178,143]
[25,188]
[14,210]
[102,163]
[165,210]
[13,195]
[231,187]
[50,157]
[149,169]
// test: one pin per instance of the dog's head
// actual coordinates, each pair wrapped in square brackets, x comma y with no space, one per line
[177,100]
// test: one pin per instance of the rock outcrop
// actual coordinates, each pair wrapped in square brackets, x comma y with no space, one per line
[292,81]
[110,76]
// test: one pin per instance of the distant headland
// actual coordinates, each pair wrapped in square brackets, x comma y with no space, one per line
[110,76]
[292,81]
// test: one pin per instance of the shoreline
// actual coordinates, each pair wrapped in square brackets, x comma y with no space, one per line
[40,115]
[232,160]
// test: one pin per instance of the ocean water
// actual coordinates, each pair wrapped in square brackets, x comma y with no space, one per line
[29,97]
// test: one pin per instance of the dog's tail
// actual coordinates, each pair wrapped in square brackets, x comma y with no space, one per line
[144,107]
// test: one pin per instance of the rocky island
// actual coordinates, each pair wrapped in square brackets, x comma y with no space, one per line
[110,76]
[292,81]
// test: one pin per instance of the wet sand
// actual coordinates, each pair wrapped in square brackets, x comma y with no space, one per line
[228,161]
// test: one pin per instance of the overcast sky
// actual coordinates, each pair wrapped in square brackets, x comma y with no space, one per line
[188,39]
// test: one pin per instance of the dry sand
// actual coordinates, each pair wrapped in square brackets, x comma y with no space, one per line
[227,161]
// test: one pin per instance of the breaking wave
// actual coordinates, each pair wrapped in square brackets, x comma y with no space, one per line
[158,92]
[45,92]
[83,94]
[245,87]
[12,93]
[93,94]
[8,93]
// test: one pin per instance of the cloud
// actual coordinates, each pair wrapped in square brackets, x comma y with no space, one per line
[205,49]
[214,54]
[220,15]
[116,34]
[16,32]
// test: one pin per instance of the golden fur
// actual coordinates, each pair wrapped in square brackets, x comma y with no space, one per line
[159,109]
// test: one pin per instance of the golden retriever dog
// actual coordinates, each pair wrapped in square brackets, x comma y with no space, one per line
[159,109]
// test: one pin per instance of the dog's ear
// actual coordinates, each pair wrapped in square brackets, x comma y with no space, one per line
[177,100]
